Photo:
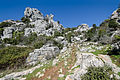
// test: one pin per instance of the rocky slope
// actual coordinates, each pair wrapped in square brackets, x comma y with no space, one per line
[39,48]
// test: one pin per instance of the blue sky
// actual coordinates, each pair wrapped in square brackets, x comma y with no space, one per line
[70,13]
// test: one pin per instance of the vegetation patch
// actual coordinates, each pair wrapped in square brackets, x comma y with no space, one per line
[32,76]
[98,73]
[5,24]
[13,57]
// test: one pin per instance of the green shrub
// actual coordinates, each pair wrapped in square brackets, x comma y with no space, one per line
[16,38]
[13,56]
[68,37]
[66,30]
[113,24]
[1,31]
[60,46]
[32,37]
[117,37]
[57,33]
[98,73]
[94,26]
[91,33]
[39,44]
[5,24]
[118,10]
[25,20]
[101,32]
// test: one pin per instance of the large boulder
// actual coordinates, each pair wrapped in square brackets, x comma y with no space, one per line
[42,25]
[85,60]
[81,28]
[44,53]
[116,47]
[7,33]
[33,14]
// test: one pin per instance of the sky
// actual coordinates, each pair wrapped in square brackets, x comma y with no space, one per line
[70,13]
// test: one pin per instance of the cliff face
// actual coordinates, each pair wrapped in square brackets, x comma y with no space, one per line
[54,52]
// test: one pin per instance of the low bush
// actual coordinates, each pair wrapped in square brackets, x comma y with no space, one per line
[13,57]
[39,44]
[1,31]
[113,24]
[60,46]
[69,36]
[57,33]
[5,24]
[16,38]
[117,37]
[25,20]
[98,73]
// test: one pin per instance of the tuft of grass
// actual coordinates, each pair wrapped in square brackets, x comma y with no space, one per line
[115,59]
[98,73]
[33,74]
[119,73]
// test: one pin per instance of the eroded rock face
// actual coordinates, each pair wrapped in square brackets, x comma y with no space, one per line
[80,29]
[42,25]
[44,53]
[114,15]
[83,27]
[85,60]
[7,33]
[116,47]
[33,14]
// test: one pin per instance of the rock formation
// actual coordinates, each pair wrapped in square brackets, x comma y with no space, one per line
[54,52]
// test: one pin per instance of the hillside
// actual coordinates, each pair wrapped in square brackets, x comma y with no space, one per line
[39,48]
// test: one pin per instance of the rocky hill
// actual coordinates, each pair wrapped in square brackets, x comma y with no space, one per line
[39,48]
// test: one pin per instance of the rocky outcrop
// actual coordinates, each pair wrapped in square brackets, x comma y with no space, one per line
[81,28]
[61,40]
[116,47]
[33,14]
[42,25]
[85,60]
[7,33]
[44,53]
[115,14]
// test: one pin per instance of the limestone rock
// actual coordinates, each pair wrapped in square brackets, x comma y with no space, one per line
[39,55]
[33,14]
[7,33]
[115,14]
[85,60]
[83,27]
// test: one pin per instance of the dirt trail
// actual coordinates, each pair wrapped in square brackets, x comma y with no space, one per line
[53,72]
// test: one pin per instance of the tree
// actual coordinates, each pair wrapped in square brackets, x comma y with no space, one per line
[25,20]
[94,26]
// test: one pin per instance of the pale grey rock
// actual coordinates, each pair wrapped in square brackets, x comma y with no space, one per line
[33,14]
[55,61]
[115,15]
[61,40]
[44,53]
[28,31]
[63,50]
[7,33]
[116,46]
[43,26]
[61,75]
[85,60]
[81,28]
[19,75]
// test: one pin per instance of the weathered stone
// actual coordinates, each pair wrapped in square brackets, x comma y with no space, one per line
[45,52]
[7,33]
[85,60]
[33,14]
